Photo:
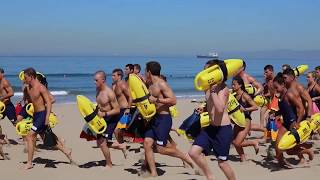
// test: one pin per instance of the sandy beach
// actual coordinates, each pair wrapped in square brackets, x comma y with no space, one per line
[51,164]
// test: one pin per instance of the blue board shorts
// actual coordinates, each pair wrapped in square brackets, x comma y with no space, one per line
[216,138]
[112,122]
[10,112]
[39,121]
[159,128]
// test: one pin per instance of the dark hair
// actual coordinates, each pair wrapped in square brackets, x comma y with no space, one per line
[1,70]
[118,71]
[131,67]
[137,66]
[154,67]
[30,72]
[289,72]
[279,78]
[240,82]
[104,76]
[286,66]
[317,68]
[163,77]
[42,79]
[213,62]
[268,67]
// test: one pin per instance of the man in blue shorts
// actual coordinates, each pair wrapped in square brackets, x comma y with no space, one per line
[158,129]
[6,92]
[39,96]
[218,135]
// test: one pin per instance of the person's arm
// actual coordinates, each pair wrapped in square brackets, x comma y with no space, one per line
[44,93]
[248,100]
[7,87]
[256,84]
[294,101]
[219,99]
[168,96]
[52,99]
[114,104]
[317,89]
[127,94]
[306,97]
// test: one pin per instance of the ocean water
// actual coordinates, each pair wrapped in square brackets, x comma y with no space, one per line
[70,76]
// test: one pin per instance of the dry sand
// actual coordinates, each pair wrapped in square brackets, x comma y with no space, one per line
[50,164]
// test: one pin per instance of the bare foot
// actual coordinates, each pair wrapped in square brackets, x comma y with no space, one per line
[310,153]
[68,154]
[198,172]
[106,167]
[123,148]
[283,163]
[28,166]
[256,147]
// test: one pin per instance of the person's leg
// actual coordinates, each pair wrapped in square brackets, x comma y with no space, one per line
[61,146]
[30,139]
[240,142]
[263,116]
[227,170]
[147,144]
[174,152]
[102,143]
[195,153]
[279,153]
[118,144]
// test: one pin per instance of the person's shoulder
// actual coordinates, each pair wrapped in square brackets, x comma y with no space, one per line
[5,81]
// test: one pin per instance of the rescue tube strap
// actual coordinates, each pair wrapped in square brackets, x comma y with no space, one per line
[234,110]
[141,99]
[298,73]
[91,116]
[224,70]
[294,132]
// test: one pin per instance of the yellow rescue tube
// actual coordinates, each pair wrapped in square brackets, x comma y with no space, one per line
[251,90]
[89,113]
[294,137]
[204,119]
[315,122]
[53,120]
[300,69]
[234,111]
[216,74]
[30,109]
[173,111]
[140,96]
[23,127]
[2,107]
[261,101]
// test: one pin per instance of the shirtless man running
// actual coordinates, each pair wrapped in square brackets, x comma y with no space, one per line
[109,109]
[123,96]
[159,127]
[40,99]
[218,135]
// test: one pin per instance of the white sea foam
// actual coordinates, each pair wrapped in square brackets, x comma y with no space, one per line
[55,93]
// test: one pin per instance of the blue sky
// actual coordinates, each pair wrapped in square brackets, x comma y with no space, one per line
[150,27]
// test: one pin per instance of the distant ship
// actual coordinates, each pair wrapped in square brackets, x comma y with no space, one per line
[213,55]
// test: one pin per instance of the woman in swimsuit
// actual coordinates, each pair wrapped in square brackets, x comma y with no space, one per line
[247,106]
